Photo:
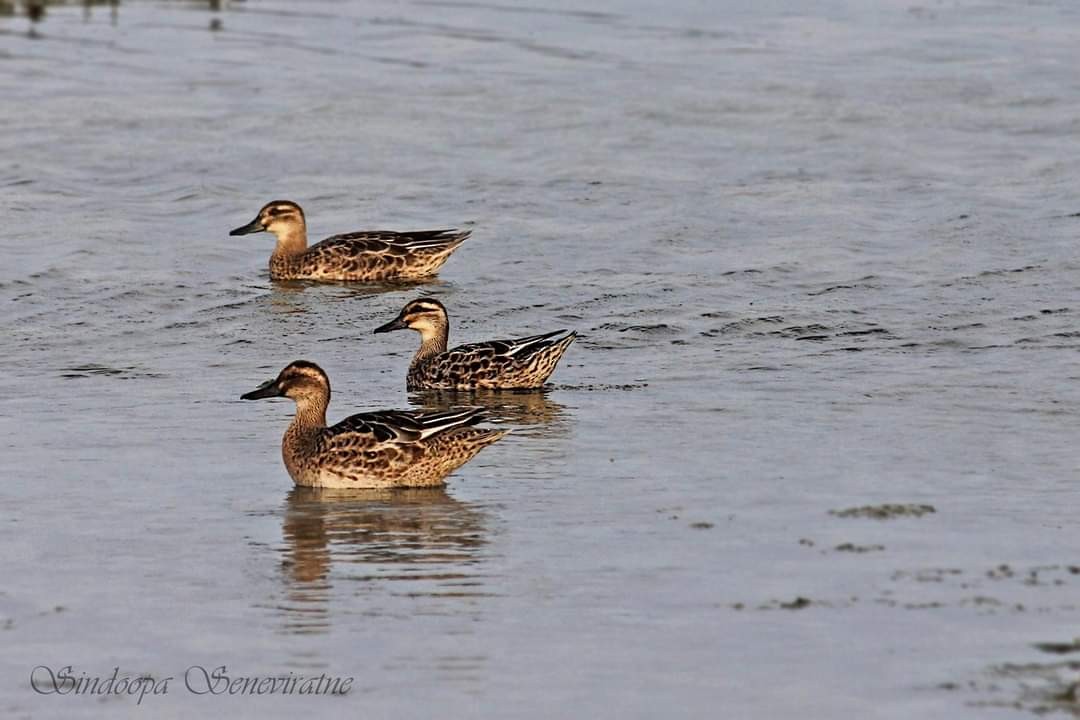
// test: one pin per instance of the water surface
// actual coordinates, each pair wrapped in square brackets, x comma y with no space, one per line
[820,257]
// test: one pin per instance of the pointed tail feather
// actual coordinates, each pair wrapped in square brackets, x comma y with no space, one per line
[536,343]
[436,239]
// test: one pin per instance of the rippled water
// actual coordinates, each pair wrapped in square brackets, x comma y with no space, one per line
[821,256]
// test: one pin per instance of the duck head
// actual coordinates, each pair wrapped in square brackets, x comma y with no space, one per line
[425,315]
[283,218]
[301,381]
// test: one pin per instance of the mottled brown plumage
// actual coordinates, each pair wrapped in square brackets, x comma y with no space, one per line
[390,448]
[523,363]
[370,255]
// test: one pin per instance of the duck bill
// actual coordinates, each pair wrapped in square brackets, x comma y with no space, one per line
[252,227]
[395,324]
[267,389]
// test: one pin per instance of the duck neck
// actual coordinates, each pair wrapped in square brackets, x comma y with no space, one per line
[310,414]
[302,437]
[291,241]
[432,341]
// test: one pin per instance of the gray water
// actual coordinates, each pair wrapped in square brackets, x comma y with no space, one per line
[821,256]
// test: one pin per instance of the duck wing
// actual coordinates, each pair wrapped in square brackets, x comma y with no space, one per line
[517,349]
[398,426]
[388,242]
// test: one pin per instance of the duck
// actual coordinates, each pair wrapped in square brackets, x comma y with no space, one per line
[519,364]
[373,450]
[367,255]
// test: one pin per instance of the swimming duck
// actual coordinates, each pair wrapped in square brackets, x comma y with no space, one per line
[370,255]
[524,363]
[385,449]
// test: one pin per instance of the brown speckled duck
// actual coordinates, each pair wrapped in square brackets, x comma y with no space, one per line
[524,363]
[368,255]
[385,449]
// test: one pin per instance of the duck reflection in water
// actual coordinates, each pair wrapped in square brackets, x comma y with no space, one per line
[419,542]
[525,408]
[300,296]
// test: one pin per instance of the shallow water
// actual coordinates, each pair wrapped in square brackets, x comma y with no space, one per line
[820,259]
